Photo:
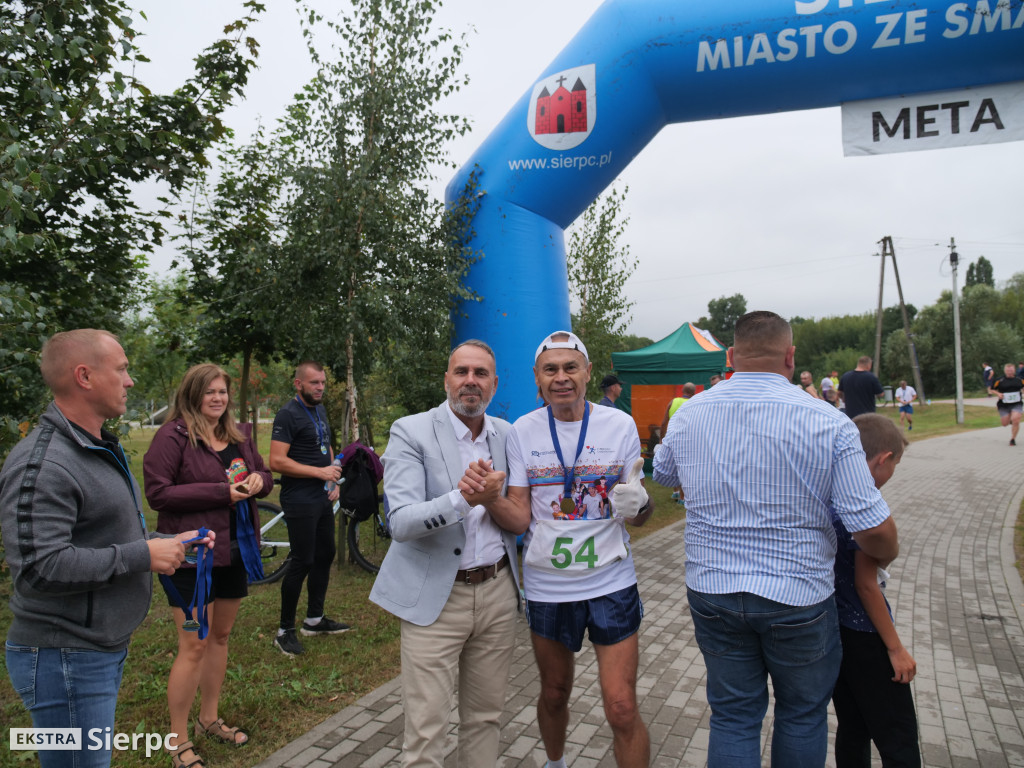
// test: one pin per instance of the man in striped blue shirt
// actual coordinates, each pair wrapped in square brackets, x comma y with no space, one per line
[760,464]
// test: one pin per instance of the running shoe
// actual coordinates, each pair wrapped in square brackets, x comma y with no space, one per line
[289,644]
[324,627]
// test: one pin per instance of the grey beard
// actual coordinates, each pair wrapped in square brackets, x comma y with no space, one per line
[470,413]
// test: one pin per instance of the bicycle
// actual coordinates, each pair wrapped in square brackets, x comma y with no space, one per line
[368,540]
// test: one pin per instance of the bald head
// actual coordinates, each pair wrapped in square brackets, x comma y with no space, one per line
[65,351]
[763,342]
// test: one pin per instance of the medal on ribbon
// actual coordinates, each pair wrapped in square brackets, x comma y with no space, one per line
[568,506]
[204,579]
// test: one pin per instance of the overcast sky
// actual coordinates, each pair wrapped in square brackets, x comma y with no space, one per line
[765,206]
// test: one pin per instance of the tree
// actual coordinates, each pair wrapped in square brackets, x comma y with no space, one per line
[78,130]
[233,244]
[979,273]
[723,313]
[983,338]
[24,324]
[599,265]
[159,340]
[373,256]
[1010,308]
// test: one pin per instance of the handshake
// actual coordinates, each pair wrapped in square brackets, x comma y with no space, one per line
[481,483]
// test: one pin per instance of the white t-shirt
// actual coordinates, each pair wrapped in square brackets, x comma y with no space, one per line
[905,395]
[593,506]
[611,443]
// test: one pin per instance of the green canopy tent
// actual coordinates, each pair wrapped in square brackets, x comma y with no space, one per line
[653,375]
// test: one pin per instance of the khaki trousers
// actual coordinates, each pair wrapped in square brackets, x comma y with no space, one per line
[472,639]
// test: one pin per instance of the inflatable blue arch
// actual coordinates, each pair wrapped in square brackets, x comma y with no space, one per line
[638,65]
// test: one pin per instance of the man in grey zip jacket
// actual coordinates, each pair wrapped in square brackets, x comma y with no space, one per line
[77,546]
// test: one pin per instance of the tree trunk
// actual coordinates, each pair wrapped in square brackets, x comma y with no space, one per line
[243,385]
[369,435]
[350,384]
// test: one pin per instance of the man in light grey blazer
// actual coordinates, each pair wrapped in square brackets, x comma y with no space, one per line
[451,573]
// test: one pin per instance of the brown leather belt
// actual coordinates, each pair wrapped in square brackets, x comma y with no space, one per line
[484,572]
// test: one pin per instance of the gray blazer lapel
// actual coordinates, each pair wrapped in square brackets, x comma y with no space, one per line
[449,446]
[496,445]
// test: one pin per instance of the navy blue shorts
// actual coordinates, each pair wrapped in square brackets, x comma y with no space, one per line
[608,619]
[906,409]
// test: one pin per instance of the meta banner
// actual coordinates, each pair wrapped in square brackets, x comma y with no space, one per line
[912,74]
[983,115]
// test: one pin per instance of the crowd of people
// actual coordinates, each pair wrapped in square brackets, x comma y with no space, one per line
[785,579]
[81,555]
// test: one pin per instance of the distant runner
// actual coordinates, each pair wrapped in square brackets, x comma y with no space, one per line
[905,397]
[1008,390]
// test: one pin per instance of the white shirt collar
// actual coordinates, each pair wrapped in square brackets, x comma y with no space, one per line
[462,431]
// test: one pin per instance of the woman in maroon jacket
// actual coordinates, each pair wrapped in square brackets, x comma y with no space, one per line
[200,465]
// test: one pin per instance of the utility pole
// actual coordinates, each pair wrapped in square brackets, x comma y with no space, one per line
[878,322]
[887,248]
[954,258]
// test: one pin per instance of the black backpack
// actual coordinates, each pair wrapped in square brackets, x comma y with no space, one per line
[358,493]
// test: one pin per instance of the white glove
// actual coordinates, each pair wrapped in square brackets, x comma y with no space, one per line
[628,496]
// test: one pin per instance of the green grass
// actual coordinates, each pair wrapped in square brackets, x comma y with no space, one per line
[1018,542]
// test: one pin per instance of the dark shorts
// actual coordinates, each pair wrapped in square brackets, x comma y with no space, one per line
[229,582]
[906,409]
[608,619]
[1010,408]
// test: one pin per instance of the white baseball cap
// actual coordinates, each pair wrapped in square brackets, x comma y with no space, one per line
[572,342]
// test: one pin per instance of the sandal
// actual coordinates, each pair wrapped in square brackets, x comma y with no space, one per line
[218,729]
[178,762]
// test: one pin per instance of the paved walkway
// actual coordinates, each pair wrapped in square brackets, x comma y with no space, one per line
[959,608]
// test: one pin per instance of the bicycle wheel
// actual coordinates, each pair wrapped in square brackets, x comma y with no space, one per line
[368,542]
[274,548]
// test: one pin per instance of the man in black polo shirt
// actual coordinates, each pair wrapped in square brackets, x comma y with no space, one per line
[859,388]
[300,450]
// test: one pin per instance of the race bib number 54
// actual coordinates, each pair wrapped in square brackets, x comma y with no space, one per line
[575,547]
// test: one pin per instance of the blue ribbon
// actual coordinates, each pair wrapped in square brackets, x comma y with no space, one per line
[245,534]
[569,473]
[204,578]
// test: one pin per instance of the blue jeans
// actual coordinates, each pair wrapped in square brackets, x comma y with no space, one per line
[744,638]
[69,688]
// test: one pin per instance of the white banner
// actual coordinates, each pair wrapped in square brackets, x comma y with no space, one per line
[987,114]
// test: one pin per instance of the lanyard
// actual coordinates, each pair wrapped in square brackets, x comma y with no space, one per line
[204,577]
[569,474]
[245,533]
[321,430]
